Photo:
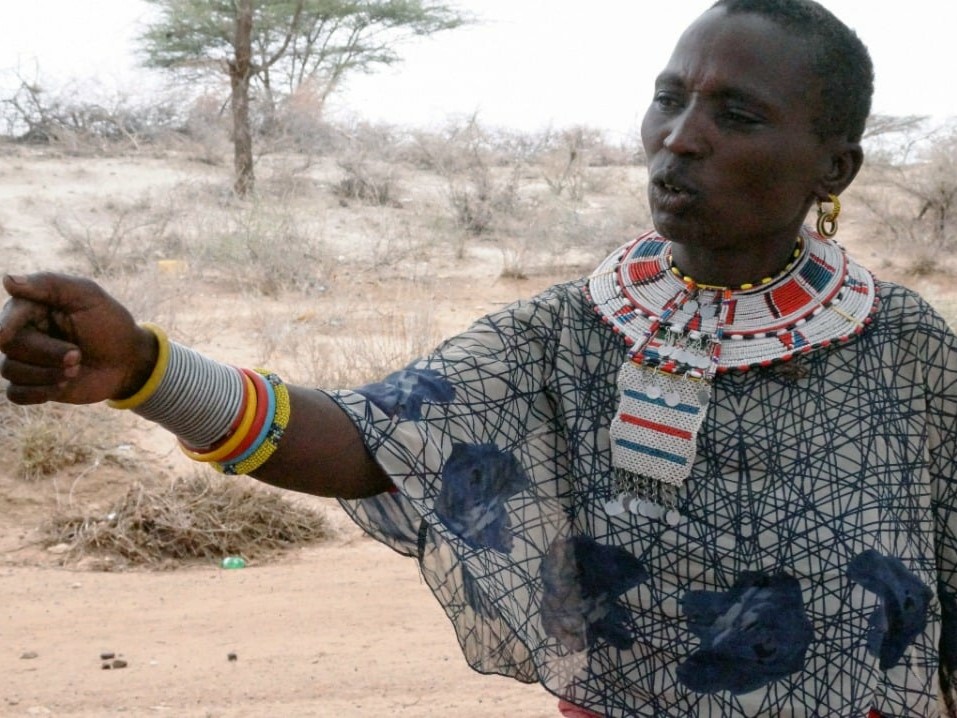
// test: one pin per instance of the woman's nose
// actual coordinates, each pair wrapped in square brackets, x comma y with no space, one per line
[687,132]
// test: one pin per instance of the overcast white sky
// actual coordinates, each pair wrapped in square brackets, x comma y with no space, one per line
[527,64]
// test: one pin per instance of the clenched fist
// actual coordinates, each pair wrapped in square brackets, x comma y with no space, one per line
[65,339]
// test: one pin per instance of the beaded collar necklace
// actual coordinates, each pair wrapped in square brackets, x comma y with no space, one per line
[681,334]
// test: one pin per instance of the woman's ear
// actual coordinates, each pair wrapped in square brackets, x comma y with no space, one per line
[846,160]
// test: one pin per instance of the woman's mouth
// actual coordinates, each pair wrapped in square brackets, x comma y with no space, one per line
[671,196]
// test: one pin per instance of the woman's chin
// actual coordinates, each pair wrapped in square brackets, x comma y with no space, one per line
[679,229]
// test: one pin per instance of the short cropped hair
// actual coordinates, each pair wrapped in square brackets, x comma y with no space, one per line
[838,57]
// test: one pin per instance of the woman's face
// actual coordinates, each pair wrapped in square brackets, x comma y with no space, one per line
[734,163]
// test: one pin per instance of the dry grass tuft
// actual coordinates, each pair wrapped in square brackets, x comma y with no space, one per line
[191,519]
[46,447]
[47,439]
[369,182]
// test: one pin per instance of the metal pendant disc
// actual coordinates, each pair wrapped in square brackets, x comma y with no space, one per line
[614,507]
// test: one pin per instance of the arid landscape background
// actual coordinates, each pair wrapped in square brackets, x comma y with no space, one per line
[359,249]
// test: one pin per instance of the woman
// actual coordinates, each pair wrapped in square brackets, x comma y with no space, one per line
[716,478]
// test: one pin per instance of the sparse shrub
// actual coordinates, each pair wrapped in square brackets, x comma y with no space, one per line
[565,163]
[570,160]
[482,197]
[367,159]
[356,344]
[482,184]
[84,118]
[368,182]
[911,187]
[122,237]
[514,261]
[264,245]
[297,125]
[190,519]
[923,265]
[207,127]
[46,439]
[47,447]
[479,194]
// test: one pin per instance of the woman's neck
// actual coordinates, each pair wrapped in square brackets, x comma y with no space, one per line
[730,267]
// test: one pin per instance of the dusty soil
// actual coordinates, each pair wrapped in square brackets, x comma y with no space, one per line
[341,629]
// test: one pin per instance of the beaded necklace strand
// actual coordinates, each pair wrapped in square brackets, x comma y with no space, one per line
[795,255]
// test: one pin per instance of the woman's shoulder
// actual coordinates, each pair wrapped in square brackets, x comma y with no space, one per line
[550,303]
[911,320]
[901,305]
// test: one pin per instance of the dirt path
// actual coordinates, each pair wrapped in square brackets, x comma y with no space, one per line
[344,630]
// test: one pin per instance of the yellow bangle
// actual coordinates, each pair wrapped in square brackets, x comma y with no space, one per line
[276,431]
[228,446]
[159,370]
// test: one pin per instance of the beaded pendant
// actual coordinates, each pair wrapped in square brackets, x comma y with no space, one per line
[681,335]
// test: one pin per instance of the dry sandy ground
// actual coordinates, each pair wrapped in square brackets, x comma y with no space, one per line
[345,629]
[339,630]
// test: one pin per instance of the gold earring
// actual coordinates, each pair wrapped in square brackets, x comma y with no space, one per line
[827,221]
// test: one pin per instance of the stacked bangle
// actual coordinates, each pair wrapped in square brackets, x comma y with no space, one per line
[265,417]
[232,419]
[228,445]
[268,440]
[265,403]
[197,399]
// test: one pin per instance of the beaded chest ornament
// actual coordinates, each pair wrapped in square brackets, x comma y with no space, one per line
[680,335]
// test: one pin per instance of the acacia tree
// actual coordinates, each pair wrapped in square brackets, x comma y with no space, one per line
[278,45]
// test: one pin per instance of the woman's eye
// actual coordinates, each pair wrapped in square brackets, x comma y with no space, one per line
[666,100]
[741,117]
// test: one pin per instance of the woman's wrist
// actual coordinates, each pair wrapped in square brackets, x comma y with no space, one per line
[150,354]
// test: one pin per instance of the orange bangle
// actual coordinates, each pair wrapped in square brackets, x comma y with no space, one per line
[262,406]
[235,439]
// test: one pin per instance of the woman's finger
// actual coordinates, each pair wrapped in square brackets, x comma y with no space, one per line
[31,346]
[25,374]
[18,394]
[62,292]
[19,314]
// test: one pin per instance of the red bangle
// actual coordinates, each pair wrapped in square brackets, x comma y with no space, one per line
[262,405]
[227,445]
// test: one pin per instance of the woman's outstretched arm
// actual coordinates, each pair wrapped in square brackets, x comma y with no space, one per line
[64,339]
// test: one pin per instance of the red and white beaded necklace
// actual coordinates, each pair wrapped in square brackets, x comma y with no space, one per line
[681,334]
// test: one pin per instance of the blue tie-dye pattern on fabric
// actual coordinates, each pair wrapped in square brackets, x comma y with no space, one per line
[755,633]
[477,480]
[581,580]
[901,614]
[402,393]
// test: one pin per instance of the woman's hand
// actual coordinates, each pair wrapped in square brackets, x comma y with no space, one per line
[65,339]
